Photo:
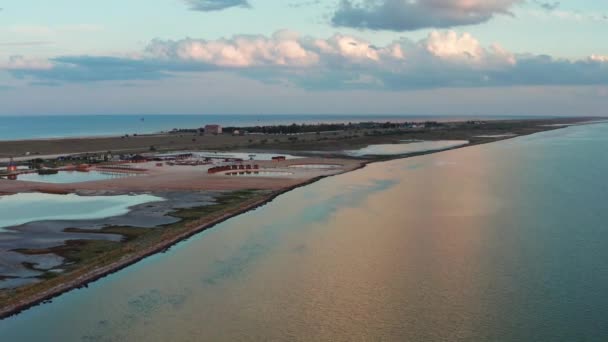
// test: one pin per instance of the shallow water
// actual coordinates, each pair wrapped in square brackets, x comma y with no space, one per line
[243,155]
[316,166]
[405,148]
[14,269]
[258,174]
[31,207]
[64,177]
[498,242]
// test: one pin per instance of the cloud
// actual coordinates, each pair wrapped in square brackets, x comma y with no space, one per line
[548,6]
[18,62]
[442,59]
[599,58]
[99,68]
[216,5]
[284,48]
[407,15]
[289,49]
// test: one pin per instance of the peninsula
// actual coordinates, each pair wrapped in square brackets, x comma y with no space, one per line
[202,179]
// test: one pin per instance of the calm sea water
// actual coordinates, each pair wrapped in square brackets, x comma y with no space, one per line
[38,127]
[499,242]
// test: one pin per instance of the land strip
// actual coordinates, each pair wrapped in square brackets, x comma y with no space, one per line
[114,257]
[351,137]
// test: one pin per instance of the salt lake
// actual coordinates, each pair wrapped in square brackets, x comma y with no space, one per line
[22,208]
[64,177]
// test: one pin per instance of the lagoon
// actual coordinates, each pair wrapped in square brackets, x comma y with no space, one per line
[64,177]
[32,207]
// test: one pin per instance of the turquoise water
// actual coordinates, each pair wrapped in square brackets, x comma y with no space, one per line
[31,207]
[498,242]
[64,177]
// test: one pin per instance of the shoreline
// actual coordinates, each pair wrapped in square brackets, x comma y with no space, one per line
[45,148]
[163,245]
[289,118]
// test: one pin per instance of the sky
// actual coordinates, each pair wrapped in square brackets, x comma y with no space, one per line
[410,57]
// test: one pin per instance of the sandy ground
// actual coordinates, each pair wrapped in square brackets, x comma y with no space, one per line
[189,178]
[181,180]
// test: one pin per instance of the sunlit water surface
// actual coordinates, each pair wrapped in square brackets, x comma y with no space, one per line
[498,242]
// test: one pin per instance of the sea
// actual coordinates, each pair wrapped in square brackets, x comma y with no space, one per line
[498,242]
[64,126]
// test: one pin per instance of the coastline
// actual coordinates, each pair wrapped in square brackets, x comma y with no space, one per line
[176,141]
[163,245]
[96,274]
[234,120]
[208,222]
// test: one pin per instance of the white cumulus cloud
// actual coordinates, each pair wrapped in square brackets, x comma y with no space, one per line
[442,59]
[465,48]
[283,48]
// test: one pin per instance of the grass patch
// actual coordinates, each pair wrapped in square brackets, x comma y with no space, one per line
[128,233]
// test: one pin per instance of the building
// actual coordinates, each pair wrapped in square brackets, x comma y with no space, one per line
[138,159]
[213,129]
[279,158]
[12,167]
